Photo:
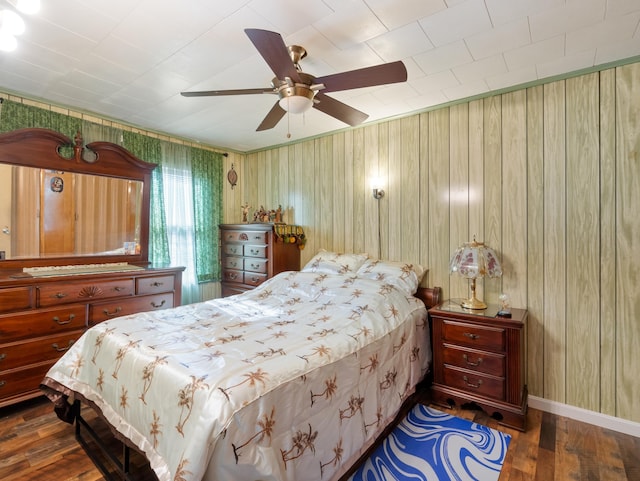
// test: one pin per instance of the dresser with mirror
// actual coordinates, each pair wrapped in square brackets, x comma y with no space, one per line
[74,249]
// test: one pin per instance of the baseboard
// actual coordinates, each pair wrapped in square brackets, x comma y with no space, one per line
[579,414]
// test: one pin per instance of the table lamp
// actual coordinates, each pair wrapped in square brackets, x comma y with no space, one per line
[473,260]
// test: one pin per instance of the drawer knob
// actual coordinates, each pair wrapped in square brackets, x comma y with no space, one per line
[255,266]
[57,320]
[254,251]
[232,276]
[113,313]
[471,363]
[60,295]
[158,305]
[119,289]
[156,284]
[2,356]
[61,349]
[471,336]
[2,383]
[470,384]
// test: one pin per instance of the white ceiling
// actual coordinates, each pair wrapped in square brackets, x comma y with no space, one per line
[128,60]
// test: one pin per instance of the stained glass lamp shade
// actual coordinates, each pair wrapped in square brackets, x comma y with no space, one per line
[473,260]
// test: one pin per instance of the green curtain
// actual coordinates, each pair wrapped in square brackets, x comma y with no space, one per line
[15,115]
[207,203]
[150,150]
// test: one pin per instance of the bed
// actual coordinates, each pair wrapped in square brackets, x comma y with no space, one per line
[292,380]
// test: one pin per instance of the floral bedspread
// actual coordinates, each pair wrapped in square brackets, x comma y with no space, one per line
[289,381]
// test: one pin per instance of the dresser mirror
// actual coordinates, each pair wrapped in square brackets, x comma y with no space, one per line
[66,203]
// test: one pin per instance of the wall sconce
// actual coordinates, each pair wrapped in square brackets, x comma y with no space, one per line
[378,193]
[376,185]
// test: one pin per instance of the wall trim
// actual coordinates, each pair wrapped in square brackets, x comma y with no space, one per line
[591,417]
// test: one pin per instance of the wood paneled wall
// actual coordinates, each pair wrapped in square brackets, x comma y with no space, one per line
[549,176]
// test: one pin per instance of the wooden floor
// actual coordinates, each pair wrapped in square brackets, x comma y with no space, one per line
[35,445]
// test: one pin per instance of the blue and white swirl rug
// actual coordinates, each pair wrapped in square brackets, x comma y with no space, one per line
[431,445]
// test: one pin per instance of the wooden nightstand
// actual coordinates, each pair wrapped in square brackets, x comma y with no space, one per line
[479,358]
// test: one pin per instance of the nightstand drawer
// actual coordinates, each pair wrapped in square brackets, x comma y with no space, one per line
[474,382]
[471,359]
[483,337]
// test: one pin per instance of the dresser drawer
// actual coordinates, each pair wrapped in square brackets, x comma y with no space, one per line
[474,382]
[255,265]
[104,311]
[254,278]
[83,291]
[480,361]
[42,322]
[22,382]
[233,289]
[233,263]
[246,236]
[483,337]
[233,249]
[232,275]
[32,352]
[154,285]
[16,298]
[255,251]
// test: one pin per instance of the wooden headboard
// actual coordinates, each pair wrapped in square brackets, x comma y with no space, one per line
[431,296]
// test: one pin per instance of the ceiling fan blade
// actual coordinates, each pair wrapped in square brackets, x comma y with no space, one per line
[386,73]
[272,118]
[339,110]
[213,93]
[274,51]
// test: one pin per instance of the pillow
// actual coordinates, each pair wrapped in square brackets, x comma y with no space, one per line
[334,263]
[404,276]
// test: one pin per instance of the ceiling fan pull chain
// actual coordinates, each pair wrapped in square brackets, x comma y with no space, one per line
[288,120]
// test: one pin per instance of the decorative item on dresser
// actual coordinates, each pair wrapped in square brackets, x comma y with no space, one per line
[253,253]
[75,251]
[478,357]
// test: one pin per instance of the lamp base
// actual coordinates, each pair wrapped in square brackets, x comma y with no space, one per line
[473,303]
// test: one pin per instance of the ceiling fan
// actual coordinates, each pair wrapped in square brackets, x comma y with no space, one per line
[298,91]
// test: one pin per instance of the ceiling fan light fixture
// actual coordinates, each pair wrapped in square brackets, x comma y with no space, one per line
[11,22]
[297,99]
[8,42]
[28,6]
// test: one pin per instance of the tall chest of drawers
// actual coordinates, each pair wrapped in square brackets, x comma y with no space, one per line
[251,254]
[40,318]
[479,358]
